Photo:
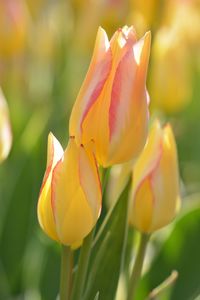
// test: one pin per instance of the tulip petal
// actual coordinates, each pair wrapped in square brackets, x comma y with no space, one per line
[90,181]
[168,202]
[150,155]
[122,89]
[93,84]
[141,51]
[142,210]
[44,209]
[73,214]
[128,107]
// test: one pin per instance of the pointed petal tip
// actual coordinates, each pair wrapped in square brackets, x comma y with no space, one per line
[147,39]
[101,33]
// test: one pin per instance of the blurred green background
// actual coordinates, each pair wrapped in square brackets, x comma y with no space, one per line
[45,48]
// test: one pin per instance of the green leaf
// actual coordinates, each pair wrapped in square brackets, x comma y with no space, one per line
[180,252]
[49,282]
[109,252]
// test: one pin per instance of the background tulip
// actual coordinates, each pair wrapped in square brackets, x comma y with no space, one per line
[13,24]
[170,90]
[112,105]
[5,130]
[70,198]
[155,198]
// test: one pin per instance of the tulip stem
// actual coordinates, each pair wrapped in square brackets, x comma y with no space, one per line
[66,272]
[104,180]
[137,268]
[83,263]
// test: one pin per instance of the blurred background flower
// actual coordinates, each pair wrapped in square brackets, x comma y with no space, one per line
[5,129]
[44,54]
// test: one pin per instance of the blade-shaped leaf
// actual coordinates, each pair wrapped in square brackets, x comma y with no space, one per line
[181,252]
[109,251]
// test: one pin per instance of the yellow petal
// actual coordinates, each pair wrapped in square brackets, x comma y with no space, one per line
[90,181]
[142,207]
[141,52]
[150,155]
[165,183]
[93,84]
[44,209]
[75,206]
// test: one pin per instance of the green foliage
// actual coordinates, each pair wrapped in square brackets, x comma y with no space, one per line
[109,253]
[179,252]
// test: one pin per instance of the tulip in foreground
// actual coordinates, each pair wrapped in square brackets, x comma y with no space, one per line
[111,109]
[70,198]
[156,199]
[5,130]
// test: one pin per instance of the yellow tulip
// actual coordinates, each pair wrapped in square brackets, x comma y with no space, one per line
[155,197]
[70,198]
[13,26]
[112,106]
[170,80]
[5,130]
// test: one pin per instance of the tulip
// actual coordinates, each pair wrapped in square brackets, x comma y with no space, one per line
[13,26]
[170,90]
[5,130]
[112,106]
[70,198]
[155,196]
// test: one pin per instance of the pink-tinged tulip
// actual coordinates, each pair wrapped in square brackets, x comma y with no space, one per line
[155,199]
[5,130]
[112,106]
[70,198]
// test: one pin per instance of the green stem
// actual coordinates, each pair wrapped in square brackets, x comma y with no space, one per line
[66,272]
[82,267]
[137,269]
[104,179]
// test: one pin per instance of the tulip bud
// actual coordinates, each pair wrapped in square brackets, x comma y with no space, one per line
[112,106]
[5,130]
[155,196]
[70,198]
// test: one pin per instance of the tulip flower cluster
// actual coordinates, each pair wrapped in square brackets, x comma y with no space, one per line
[108,126]
[110,120]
